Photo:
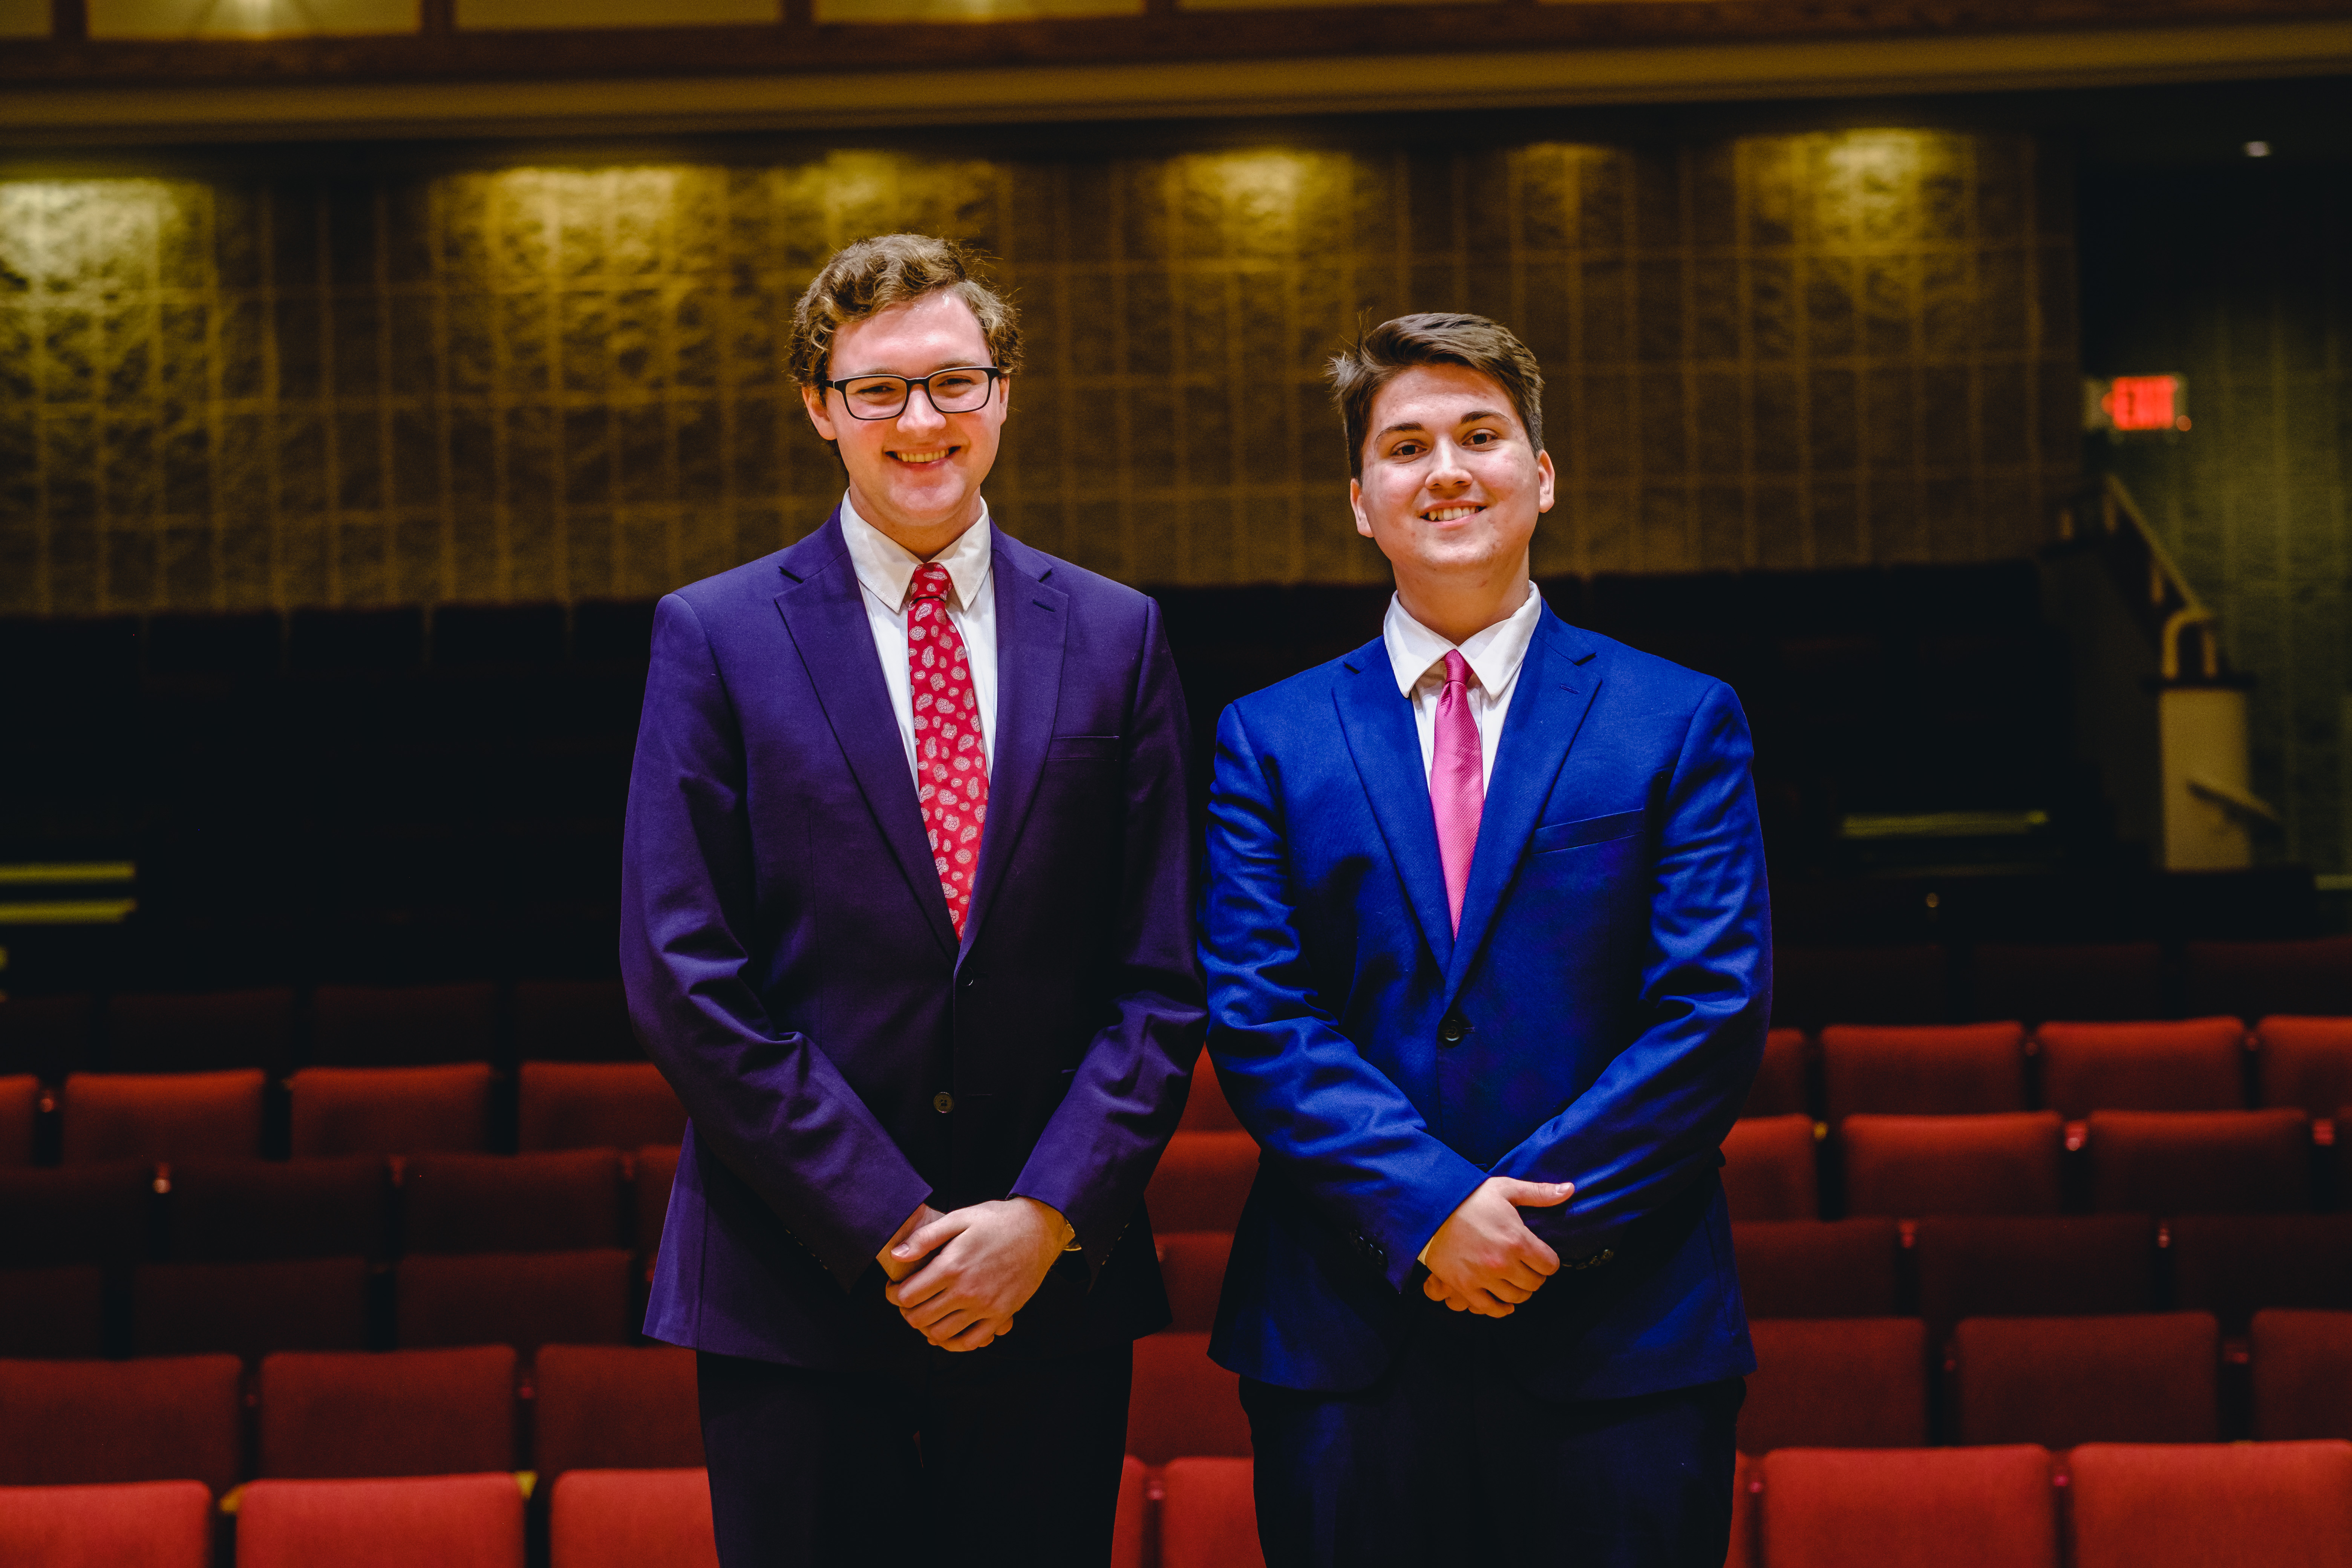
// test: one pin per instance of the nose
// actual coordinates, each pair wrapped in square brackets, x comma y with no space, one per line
[919,414]
[1446,470]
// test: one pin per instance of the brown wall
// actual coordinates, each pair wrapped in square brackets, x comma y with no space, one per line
[537,384]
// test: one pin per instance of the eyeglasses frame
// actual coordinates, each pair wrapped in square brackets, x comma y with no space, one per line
[994,374]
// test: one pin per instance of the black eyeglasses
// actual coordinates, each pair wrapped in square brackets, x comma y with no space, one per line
[957,391]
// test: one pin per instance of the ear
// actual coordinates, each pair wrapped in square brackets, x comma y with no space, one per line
[812,400]
[1356,505]
[1546,484]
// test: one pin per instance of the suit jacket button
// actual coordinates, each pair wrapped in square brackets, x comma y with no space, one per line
[943,1102]
[1452,1028]
[969,981]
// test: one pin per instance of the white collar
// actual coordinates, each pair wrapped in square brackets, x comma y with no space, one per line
[887,567]
[1493,654]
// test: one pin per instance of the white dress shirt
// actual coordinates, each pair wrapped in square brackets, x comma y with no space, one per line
[886,568]
[1417,657]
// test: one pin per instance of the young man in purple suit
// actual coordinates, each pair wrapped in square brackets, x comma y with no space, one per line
[1489,966]
[907,922]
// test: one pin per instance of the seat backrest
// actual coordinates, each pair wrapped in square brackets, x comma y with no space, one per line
[2038,1267]
[1747,1486]
[1921,1508]
[522,1299]
[396,1413]
[234,1211]
[2233,1266]
[1967,1069]
[1193,1267]
[1907,1166]
[597,1105]
[79,1214]
[573,1021]
[1779,1088]
[555,1202]
[53,1312]
[1205,1109]
[2241,1505]
[1208,1516]
[2192,1162]
[148,1524]
[1182,1403]
[1818,986]
[1819,1269]
[2149,1378]
[20,1105]
[1769,1171]
[1131,1527]
[1843,1383]
[160,1116]
[2305,1064]
[2193,1064]
[74,1422]
[656,1172]
[448,1520]
[2302,1374]
[2087,980]
[390,1111]
[632,1518]
[2251,978]
[616,1407]
[403,1025]
[1202,1181]
[251,1310]
[151,1033]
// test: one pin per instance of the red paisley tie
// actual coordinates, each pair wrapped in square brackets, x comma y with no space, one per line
[951,758]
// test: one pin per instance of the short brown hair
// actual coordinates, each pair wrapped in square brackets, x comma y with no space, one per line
[1378,357]
[867,277]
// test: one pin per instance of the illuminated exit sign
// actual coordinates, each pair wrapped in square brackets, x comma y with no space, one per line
[2137,404]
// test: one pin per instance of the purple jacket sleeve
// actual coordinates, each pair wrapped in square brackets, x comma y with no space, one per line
[768,1102]
[1099,1149]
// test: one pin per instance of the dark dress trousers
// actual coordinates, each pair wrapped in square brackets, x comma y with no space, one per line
[792,967]
[1596,1019]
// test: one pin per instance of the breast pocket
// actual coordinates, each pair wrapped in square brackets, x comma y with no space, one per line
[1083,748]
[1554,837]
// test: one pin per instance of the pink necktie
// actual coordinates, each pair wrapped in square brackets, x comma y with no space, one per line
[950,764]
[1458,783]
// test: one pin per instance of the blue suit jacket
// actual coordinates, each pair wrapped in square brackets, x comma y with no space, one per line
[792,968]
[1607,995]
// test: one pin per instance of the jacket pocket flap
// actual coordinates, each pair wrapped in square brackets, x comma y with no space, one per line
[1587,830]
[1082,748]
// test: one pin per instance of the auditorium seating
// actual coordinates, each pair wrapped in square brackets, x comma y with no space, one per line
[1950,1508]
[1193,1267]
[79,1423]
[596,1105]
[1906,1166]
[74,1214]
[202,1030]
[448,1520]
[390,1110]
[149,1524]
[225,1211]
[47,1037]
[55,1312]
[403,1025]
[1182,1403]
[521,1298]
[1779,1088]
[1953,1071]
[2302,1374]
[2046,1266]
[251,1310]
[656,1169]
[2305,1064]
[2150,1378]
[2233,1266]
[2194,1064]
[20,1101]
[612,1407]
[2092,980]
[1201,1182]
[160,1116]
[2250,979]
[1819,1269]
[1208,1518]
[556,1202]
[573,1021]
[1768,1169]
[1845,1383]
[389,1412]
[2211,1507]
[1746,1484]
[1131,1529]
[1814,986]
[2187,1162]
[1205,1109]
[632,1518]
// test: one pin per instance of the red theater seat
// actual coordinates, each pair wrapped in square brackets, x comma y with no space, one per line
[1779,1086]
[1192,1266]
[20,1103]
[1918,1507]
[149,1524]
[522,1299]
[81,1214]
[1208,1518]
[57,1312]
[162,1116]
[2113,980]
[2047,1266]
[1814,986]
[1132,1526]
[1182,1403]
[1203,1181]
[573,1021]
[1747,1481]
[563,1202]
[2245,1505]
[1819,1269]
[235,1211]
[2193,1064]
[1205,1109]
[656,1171]
[609,1407]
[2305,1064]
[2062,1381]
[1768,1169]
[80,1422]
[2302,1374]
[2187,1162]
[1911,1165]
[201,1030]
[597,1105]
[632,1518]
[2251,979]
[403,1025]
[47,1037]
[1842,1383]
[396,1413]
[450,1521]
[249,1310]
[1967,1070]
[2233,1266]
[390,1110]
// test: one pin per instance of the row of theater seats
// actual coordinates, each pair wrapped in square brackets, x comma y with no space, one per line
[332,1111]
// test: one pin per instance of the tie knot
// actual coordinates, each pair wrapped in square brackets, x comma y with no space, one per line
[1458,668]
[931,582]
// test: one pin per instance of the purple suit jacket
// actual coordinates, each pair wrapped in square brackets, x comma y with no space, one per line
[792,968]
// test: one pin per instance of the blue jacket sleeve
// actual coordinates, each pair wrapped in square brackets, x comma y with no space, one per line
[1329,1124]
[768,1102]
[1651,1124]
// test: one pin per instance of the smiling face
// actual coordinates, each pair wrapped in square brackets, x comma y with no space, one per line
[916,476]
[1451,486]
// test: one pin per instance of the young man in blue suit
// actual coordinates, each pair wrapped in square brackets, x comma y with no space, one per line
[907,922]
[1489,968]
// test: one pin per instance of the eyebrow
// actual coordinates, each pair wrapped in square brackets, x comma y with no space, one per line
[947,364]
[1473,417]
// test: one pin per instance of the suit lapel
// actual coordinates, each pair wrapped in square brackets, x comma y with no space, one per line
[1031,623]
[1377,720]
[824,611]
[1548,708]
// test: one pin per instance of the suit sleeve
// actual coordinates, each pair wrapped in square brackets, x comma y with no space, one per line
[1336,1127]
[1653,1123]
[1098,1149]
[768,1102]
